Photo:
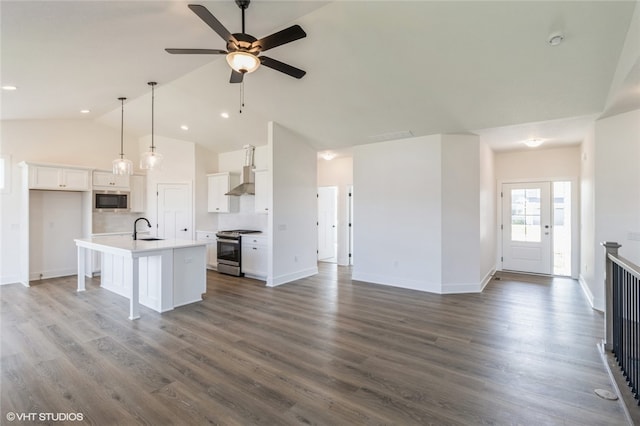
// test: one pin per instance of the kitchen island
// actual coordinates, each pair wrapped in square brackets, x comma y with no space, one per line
[159,274]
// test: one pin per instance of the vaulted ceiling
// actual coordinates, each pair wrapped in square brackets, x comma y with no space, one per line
[375,69]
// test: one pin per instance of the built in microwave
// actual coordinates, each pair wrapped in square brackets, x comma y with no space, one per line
[110,201]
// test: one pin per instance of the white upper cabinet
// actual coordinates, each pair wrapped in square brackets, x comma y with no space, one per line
[107,180]
[59,178]
[263,191]
[218,185]
[137,196]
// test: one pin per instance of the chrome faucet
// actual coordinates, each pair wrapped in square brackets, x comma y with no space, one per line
[135,232]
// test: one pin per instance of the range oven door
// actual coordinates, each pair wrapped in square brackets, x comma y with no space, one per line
[229,256]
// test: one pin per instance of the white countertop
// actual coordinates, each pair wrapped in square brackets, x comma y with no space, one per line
[126,244]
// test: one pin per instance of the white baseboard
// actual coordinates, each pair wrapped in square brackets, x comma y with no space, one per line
[287,278]
[9,279]
[397,282]
[586,290]
[43,275]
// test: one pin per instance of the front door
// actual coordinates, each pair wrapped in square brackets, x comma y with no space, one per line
[175,214]
[526,227]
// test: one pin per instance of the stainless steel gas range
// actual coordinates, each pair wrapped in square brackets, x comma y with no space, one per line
[229,251]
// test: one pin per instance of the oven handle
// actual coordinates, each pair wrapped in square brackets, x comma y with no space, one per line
[222,240]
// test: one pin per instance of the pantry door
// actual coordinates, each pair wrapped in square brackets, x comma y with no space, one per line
[526,227]
[175,211]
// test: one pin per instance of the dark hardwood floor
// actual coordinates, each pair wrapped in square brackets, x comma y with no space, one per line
[323,350]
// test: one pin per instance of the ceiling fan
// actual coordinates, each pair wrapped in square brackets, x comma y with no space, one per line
[243,50]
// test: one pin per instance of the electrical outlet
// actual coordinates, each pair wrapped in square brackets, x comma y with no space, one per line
[633,236]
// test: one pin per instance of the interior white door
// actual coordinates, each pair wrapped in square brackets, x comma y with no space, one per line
[327,223]
[526,227]
[175,211]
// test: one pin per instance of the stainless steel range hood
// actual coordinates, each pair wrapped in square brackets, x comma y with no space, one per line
[248,185]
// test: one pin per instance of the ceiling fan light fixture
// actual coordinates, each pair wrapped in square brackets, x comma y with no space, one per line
[243,62]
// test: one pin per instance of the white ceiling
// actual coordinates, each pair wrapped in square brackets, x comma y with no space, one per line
[373,68]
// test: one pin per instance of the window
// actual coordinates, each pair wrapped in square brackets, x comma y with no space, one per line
[5,173]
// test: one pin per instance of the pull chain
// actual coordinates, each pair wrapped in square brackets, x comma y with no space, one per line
[241,96]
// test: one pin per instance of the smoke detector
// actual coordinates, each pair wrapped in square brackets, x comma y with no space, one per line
[555,39]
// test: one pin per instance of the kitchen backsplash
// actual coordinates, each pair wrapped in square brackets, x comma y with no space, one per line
[106,222]
[246,218]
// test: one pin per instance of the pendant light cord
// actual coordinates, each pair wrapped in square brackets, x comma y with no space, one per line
[152,84]
[122,127]
[241,96]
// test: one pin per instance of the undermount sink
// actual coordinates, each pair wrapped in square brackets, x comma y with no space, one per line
[151,239]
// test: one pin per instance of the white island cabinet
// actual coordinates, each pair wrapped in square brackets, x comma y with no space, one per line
[161,274]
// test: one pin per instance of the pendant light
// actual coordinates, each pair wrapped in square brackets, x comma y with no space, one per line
[151,159]
[122,166]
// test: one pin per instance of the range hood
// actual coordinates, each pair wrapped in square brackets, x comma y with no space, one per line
[248,185]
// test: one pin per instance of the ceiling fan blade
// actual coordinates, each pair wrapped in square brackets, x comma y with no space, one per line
[204,14]
[282,67]
[196,51]
[236,77]
[287,35]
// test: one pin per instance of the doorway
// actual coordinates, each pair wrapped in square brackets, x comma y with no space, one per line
[537,227]
[175,211]
[327,224]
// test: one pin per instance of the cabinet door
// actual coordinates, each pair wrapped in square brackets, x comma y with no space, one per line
[108,180]
[263,192]
[41,177]
[76,180]
[218,185]
[137,196]
[254,260]
[212,247]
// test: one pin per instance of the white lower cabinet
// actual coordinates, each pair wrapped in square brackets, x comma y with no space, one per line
[212,247]
[254,256]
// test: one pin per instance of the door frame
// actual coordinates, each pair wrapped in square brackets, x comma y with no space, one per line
[575,217]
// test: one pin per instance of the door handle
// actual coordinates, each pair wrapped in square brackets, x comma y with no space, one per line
[185,229]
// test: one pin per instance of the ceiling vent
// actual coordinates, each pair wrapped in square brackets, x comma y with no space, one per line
[391,136]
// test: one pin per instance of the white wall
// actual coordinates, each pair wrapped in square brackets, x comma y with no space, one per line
[339,172]
[587,217]
[205,162]
[538,163]
[460,213]
[55,219]
[418,219]
[397,213]
[488,215]
[617,192]
[293,231]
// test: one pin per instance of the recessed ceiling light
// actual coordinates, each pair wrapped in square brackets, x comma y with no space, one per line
[85,111]
[184,127]
[555,39]
[224,115]
[9,87]
[533,143]
[328,155]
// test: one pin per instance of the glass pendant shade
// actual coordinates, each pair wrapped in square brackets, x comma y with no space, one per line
[122,166]
[243,62]
[151,159]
